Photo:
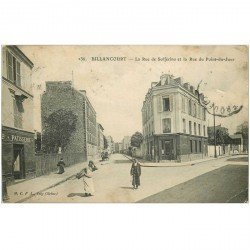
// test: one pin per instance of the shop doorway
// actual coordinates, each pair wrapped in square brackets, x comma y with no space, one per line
[167,150]
[18,161]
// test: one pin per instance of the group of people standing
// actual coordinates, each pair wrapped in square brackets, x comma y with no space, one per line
[86,174]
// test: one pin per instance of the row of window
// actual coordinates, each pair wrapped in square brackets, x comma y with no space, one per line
[91,127]
[192,108]
[90,114]
[166,127]
[193,130]
[195,146]
[91,138]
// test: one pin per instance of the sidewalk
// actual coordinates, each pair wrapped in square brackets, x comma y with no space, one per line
[24,190]
[177,164]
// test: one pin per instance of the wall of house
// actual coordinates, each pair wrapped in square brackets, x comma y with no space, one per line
[62,96]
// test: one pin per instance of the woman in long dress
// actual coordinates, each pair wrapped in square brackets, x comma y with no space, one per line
[135,172]
[61,166]
[88,184]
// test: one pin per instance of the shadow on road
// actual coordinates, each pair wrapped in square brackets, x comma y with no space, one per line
[127,187]
[122,161]
[243,159]
[225,184]
[77,194]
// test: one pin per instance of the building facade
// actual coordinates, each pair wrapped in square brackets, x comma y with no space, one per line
[61,96]
[110,142]
[237,144]
[174,122]
[18,145]
[126,143]
[100,139]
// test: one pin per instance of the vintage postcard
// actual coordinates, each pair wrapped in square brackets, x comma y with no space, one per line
[124,124]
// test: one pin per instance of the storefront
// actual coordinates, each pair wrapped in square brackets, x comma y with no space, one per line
[175,147]
[18,154]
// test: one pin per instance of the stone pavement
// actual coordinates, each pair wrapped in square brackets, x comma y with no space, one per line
[19,192]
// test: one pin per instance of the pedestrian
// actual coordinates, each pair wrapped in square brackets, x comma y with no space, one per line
[92,166]
[61,166]
[135,172]
[88,184]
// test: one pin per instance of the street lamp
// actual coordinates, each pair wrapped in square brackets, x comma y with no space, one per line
[215,153]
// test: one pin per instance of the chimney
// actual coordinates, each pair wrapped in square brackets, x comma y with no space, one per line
[179,80]
[186,85]
[164,79]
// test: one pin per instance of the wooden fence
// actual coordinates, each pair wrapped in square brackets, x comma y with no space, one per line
[47,163]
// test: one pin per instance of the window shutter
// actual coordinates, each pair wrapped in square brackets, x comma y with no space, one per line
[171,103]
[159,104]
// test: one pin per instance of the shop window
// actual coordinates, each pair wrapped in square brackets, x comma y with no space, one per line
[166,124]
[166,104]
[200,146]
[195,145]
[191,146]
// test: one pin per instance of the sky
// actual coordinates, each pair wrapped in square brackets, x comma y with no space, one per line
[117,89]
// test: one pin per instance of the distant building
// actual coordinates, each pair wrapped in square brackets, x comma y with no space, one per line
[18,146]
[100,139]
[126,143]
[174,122]
[118,147]
[60,95]
[110,142]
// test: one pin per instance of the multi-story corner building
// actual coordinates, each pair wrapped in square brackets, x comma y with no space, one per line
[100,130]
[60,95]
[174,122]
[18,146]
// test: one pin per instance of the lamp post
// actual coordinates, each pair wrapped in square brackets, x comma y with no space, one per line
[215,153]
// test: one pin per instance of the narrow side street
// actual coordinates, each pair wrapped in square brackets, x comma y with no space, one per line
[213,181]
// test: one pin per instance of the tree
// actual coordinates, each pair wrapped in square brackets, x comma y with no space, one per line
[243,129]
[136,139]
[58,129]
[222,135]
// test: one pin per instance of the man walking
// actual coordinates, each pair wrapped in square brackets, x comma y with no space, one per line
[135,172]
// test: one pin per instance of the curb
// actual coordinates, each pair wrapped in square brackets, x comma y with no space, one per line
[180,164]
